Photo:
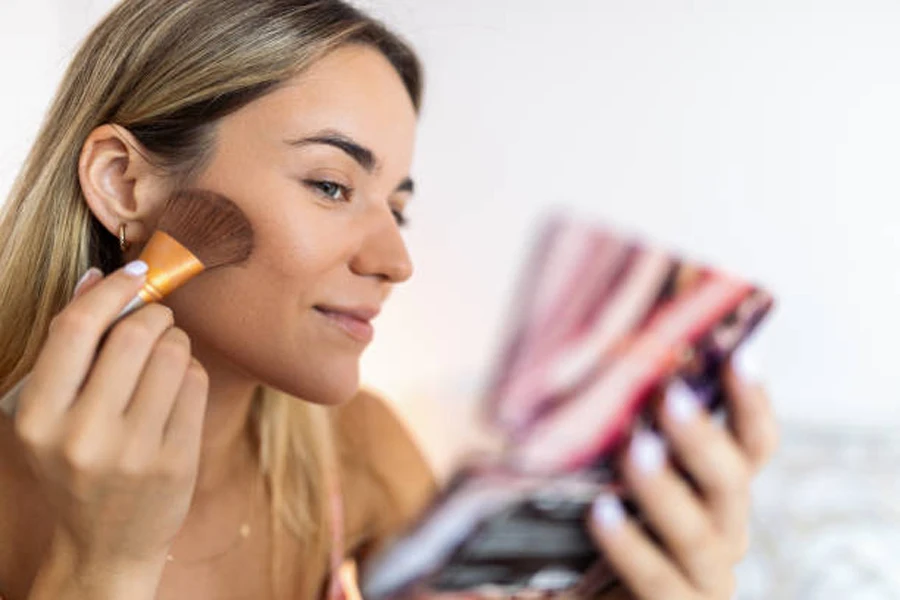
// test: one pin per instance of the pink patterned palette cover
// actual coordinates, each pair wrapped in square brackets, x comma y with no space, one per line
[601,325]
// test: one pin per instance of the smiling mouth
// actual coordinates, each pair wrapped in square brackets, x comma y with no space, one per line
[361,330]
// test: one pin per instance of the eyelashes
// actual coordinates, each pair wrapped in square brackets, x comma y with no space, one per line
[331,190]
[337,192]
[401,219]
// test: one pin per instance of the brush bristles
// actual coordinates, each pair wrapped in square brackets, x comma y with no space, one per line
[210,225]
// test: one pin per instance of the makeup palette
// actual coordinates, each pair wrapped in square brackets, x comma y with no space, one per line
[602,324]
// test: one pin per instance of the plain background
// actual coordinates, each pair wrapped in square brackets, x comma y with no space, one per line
[757,135]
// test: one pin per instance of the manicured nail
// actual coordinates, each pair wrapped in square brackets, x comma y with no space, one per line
[137,268]
[92,272]
[608,512]
[745,361]
[681,402]
[648,452]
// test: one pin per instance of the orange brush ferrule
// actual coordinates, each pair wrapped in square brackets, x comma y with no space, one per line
[171,265]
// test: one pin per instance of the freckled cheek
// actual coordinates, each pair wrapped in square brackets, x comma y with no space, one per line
[298,257]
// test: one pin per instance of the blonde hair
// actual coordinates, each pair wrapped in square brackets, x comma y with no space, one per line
[168,70]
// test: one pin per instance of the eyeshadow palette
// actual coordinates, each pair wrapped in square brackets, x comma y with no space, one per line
[601,325]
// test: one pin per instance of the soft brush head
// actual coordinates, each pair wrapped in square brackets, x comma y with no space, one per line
[210,225]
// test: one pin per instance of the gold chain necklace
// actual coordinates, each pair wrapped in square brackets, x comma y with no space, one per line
[243,533]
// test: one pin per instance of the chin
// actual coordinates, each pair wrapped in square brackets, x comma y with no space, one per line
[325,386]
[332,397]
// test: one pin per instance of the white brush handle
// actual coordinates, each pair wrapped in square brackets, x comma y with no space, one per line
[10,402]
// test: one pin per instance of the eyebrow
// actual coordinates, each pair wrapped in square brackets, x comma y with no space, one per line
[356,151]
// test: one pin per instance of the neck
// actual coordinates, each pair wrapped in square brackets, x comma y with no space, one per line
[226,451]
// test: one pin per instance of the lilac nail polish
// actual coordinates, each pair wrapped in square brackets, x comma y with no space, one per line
[608,512]
[648,452]
[137,268]
[85,278]
[745,361]
[681,403]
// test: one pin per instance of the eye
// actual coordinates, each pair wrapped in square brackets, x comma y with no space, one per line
[331,190]
[341,193]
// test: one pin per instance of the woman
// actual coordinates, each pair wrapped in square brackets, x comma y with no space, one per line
[180,461]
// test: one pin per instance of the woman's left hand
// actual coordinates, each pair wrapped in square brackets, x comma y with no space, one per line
[703,533]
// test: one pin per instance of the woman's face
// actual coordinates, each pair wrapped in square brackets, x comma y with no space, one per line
[320,167]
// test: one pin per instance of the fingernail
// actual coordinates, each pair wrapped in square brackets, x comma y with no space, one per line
[137,268]
[648,452]
[86,277]
[607,512]
[681,403]
[745,361]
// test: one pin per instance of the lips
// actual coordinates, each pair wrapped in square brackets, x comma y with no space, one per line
[361,313]
[354,321]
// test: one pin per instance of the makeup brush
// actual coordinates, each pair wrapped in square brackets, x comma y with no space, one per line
[199,230]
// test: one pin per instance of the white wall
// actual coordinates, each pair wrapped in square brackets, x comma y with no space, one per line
[763,136]
[759,135]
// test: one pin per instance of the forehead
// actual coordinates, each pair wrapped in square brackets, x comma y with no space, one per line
[354,90]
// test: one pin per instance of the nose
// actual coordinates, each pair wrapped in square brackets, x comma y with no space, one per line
[383,252]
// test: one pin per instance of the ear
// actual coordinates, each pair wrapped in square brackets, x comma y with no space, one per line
[120,184]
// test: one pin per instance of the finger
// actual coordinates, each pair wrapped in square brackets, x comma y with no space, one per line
[158,388]
[640,564]
[673,511]
[712,457]
[87,281]
[183,431]
[751,418]
[117,370]
[10,403]
[72,341]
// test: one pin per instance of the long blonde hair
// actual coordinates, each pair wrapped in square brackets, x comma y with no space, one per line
[168,70]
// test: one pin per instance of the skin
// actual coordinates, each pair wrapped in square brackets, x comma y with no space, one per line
[310,249]
[171,474]
[315,244]
[704,533]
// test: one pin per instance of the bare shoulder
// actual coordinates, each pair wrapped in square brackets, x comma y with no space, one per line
[388,481]
[373,435]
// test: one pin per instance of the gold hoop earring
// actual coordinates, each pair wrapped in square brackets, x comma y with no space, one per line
[123,243]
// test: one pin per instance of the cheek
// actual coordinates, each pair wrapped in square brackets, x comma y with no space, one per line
[293,251]
[257,319]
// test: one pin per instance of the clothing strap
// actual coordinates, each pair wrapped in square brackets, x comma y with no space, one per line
[336,509]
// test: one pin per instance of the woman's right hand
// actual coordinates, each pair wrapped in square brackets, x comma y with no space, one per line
[114,436]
